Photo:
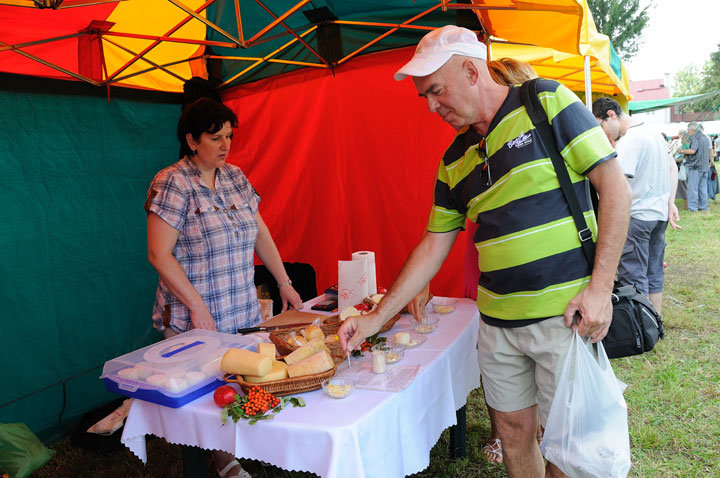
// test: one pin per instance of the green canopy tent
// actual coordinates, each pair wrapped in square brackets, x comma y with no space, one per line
[645,106]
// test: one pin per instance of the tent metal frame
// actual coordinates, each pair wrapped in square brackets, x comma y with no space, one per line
[240,42]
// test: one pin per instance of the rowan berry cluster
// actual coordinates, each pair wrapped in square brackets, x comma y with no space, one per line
[259,401]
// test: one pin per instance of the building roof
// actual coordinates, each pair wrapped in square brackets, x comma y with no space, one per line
[649,90]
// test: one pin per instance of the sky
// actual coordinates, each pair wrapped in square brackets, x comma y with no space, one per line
[679,33]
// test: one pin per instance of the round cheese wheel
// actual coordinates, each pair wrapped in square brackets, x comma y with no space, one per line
[278,372]
[245,362]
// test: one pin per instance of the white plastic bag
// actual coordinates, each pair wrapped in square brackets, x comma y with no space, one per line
[587,431]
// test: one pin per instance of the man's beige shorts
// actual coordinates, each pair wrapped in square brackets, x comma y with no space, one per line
[521,365]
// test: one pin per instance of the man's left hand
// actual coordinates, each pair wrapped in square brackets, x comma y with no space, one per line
[594,309]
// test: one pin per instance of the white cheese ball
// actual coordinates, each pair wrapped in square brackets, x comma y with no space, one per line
[176,385]
[130,372]
[194,377]
[212,369]
[144,370]
[159,380]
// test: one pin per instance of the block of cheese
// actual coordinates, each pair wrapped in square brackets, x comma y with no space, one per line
[313,332]
[245,362]
[314,346]
[316,363]
[266,349]
[402,338]
[278,372]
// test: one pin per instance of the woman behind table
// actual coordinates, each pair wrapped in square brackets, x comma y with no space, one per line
[203,227]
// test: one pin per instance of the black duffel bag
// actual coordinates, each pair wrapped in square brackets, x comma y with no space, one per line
[636,326]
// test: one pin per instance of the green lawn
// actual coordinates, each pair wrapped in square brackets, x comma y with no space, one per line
[673,392]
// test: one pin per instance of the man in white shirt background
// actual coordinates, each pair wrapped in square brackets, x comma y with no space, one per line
[645,159]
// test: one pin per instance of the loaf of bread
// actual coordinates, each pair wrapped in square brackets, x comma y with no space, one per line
[266,349]
[245,362]
[314,332]
[278,372]
[316,363]
[314,346]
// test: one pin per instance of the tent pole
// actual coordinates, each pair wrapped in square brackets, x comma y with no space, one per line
[588,84]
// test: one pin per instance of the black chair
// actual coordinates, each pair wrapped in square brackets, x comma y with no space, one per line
[302,276]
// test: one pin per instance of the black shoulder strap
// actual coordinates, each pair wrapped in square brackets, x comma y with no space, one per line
[528,93]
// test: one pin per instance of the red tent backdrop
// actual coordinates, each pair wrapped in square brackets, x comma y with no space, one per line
[344,163]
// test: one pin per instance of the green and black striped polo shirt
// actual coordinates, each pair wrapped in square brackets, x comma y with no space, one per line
[530,257]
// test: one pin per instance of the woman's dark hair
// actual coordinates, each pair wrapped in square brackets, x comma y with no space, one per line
[202,116]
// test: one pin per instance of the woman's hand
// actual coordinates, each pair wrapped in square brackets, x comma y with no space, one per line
[201,318]
[290,298]
[417,305]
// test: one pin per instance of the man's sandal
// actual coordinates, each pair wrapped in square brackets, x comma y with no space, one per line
[493,451]
[225,472]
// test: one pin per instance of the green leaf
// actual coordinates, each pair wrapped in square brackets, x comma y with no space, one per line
[224,416]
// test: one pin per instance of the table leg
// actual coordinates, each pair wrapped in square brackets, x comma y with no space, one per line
[194,461]
[458,435]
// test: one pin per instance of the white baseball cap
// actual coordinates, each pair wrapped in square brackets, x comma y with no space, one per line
[438,46]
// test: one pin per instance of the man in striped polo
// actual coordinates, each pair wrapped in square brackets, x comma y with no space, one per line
[535,278]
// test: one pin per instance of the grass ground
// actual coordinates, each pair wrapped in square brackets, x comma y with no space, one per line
[673,392]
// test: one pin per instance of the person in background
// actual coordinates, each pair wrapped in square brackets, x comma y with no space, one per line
[651,171]
[698,164]
[203,228]
[528,297]
[680,141]
[712,180]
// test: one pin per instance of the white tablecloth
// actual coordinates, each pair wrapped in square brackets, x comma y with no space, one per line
[368,434]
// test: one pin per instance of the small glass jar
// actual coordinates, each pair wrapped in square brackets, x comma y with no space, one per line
[378,358]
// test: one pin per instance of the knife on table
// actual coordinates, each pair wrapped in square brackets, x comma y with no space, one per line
[269,328]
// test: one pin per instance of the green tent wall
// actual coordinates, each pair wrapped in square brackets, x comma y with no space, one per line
[76,288]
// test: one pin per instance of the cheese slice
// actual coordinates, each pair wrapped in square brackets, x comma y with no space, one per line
[314,346]
[402,338]
[278,372]
[316,363]
[266,349]
[245,362]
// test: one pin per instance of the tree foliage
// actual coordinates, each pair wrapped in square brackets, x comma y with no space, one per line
[694,80]
[623,21]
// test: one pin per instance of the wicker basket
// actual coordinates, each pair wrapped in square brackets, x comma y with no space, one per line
[286,386]
[329,327]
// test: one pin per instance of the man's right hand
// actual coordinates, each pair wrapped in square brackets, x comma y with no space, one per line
[416,307]
[357,328]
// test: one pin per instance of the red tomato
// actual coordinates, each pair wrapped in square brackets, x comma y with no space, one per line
[382,290]
[362,307]
[224,395]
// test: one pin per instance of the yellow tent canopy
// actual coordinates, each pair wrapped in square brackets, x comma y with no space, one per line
[567,68]
[158,44]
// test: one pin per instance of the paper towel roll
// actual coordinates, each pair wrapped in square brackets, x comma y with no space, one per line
[369,256]
[352,282]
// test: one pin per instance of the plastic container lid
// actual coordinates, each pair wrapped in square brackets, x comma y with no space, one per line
[174,367]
